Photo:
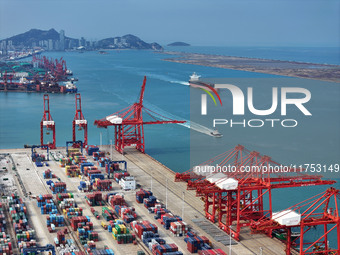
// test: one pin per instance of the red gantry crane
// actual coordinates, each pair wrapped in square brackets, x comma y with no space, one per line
[79,121]
[236,195]
[129,124]
[47,123]
[57,69]
[304,216]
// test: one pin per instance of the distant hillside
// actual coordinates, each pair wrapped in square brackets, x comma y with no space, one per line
[127,42]
[178,44]
[33,36]
[51,40]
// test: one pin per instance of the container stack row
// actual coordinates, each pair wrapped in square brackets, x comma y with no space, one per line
[47,207]
[87,168]
[122,235]
[95,199]
[60,239]
[114,200]
[142,194]
[196,243]
[90,149]
[98,154]
[102,185]
[119,175]
[108,214]
[58,187]
[73,212]
[41,199]
[55,220]
[128,214]
[143,226]
[72,171]
[48,174]
[101,252]
[5,243]
[85,186]
[24,233]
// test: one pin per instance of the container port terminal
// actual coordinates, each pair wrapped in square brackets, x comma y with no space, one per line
[87,199]
[42,74]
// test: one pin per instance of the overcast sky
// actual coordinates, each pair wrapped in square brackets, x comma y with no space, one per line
[198,22]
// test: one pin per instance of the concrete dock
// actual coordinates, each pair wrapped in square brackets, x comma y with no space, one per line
[150,174]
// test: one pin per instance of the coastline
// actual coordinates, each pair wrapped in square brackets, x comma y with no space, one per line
[323,72]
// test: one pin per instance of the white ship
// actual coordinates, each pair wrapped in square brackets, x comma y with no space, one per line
[216,133]
[194,77]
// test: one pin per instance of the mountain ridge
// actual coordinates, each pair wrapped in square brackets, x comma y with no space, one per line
[37,37]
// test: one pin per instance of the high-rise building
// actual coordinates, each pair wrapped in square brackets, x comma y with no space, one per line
[3,45]
[82,42]
[62,40]
[56,45]
[10,45]
[50,44]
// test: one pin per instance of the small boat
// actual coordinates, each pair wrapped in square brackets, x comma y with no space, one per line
[215,133]
[70,87]
[69,72]
[282,235]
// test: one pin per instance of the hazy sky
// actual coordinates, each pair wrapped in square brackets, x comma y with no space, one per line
[199,22]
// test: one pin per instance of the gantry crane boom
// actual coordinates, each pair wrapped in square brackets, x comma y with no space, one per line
[129,123]
[238,196]
[315,211]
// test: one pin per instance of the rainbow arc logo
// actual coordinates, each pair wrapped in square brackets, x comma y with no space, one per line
[210,91]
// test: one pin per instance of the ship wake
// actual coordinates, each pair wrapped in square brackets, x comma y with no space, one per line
[188,124]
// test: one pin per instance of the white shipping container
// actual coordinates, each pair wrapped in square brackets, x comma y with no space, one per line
[114,119]
[128,183]
[81,122]
[287,218]
[227,184]
[48,122]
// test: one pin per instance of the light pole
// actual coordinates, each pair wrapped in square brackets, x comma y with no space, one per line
[230,239]
[151,183]
[166,194]
[111,149]
[183,205]
[100,142]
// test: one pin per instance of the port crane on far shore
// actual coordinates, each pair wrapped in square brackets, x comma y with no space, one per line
[129,124]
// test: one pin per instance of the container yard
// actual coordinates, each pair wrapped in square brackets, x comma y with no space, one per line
[59,211]
[119,220]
